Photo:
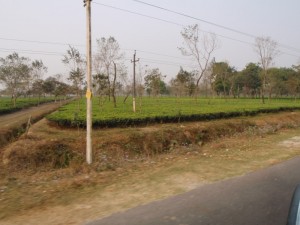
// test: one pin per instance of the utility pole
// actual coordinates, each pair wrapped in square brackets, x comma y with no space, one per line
[87,4]
[134,91]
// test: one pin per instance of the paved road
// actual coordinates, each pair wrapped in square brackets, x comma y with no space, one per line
[259,198]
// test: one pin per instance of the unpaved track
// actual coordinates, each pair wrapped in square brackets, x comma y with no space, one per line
[13,121]
[259,198]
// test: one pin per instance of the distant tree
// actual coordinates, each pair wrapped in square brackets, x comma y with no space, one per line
[100,82]
[77,78]
[283,81]
[49,85]
[14,72]
[293,82]
[52,86]
[209,79]
[267,50]
[183,84]
[163,90]
[37,88]
[200,47]
[38,69]
[119,69]
[36,75]
[76,63]
[61,89]
[108,54]
[251,81]
[223,82]
[153,82]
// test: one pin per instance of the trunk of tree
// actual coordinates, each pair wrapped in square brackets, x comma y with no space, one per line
[114,86]
[140,103]
[127,95]
[14,100]
[109,88]
[263,88]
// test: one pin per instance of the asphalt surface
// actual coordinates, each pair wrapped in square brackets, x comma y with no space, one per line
[258,198]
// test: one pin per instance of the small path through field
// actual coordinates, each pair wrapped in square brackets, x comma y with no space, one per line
[17,119]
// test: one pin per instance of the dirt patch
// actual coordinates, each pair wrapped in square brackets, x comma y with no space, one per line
[13,125]
[132,166]
[293,142]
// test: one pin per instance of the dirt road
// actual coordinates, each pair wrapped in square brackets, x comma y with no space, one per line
[258,198]
[9,123]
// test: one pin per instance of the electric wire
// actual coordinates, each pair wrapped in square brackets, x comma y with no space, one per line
[181,25]
[167,21]
[65,44]
[154,61]
[40,42]
[30,51]
[211,23]
[192,17]
[142,51]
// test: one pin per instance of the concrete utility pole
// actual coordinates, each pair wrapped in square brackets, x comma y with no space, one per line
[134,91]
[87,4]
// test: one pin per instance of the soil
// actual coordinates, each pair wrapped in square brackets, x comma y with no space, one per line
[43,177]
[11,125]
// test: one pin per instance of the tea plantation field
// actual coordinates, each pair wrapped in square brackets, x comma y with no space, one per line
[165,110]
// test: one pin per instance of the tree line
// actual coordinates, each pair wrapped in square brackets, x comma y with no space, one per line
[23,77]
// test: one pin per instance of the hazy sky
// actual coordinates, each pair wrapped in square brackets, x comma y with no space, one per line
[32,28]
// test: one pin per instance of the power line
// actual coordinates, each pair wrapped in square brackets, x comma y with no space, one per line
[151,17]
[155,53]
[30,51]
[177,64]
[40,42]
[65,44]
[46,53]
[166,21]
[181,25]
[192,17]
[211,23]
[136,13]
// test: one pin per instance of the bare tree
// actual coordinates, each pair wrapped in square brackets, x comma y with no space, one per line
[38,69]
[199,46]
[108,53]
[142,71]
[208,79]
[122,71]
[267,50]
[76,62]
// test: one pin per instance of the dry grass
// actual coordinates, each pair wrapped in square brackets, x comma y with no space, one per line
[44,174]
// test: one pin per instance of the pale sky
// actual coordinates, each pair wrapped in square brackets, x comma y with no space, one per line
[32,28]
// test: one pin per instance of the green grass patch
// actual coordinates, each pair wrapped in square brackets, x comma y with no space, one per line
[165,110]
